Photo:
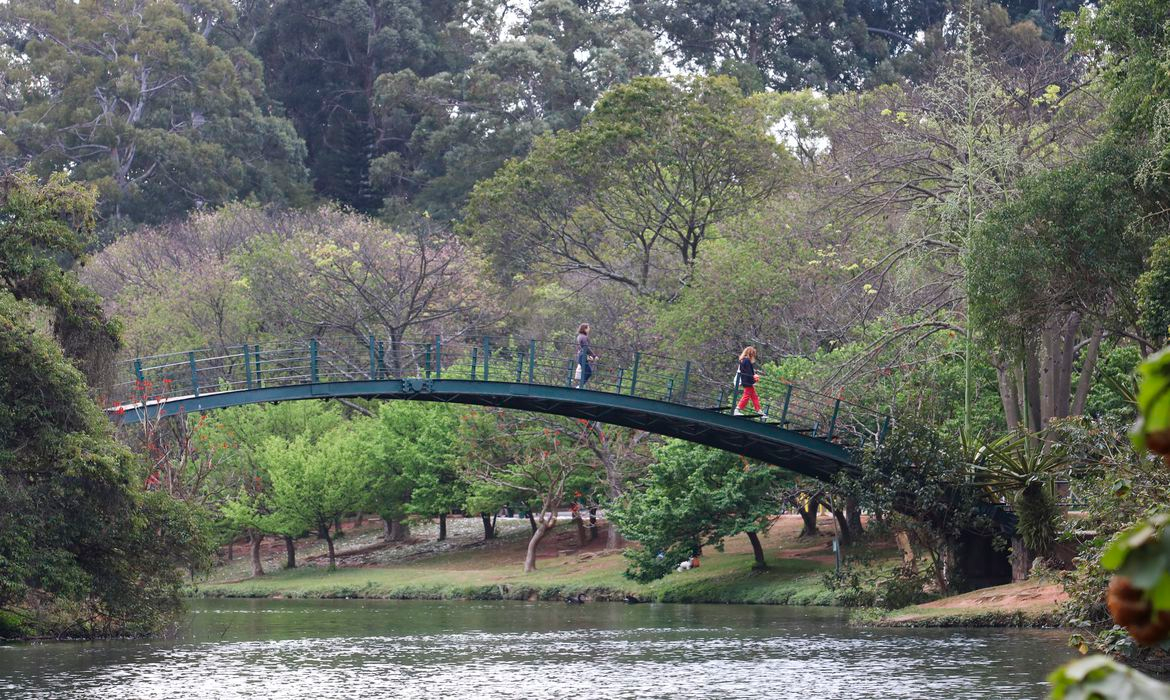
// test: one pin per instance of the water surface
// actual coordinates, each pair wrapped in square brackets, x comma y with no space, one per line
[417,649]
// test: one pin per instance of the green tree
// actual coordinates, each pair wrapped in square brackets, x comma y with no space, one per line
[633,196]
[532,456]
[694,496]
[76,534]
[1063,255]
[130,96]
[788,46]
[421,439]
[322,60]
[1153,294]
[520,72]
[314,484]
[248,507]
[920,478]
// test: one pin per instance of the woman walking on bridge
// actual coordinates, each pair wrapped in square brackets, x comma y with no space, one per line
[747,378]
[584,355]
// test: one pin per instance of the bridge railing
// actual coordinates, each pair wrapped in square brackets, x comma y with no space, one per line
[616,370]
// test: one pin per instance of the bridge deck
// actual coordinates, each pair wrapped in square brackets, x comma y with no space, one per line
[808,432]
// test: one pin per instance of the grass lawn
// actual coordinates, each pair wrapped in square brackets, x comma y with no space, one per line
[476,570]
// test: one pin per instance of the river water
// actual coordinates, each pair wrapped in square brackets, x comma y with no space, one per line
[424,649]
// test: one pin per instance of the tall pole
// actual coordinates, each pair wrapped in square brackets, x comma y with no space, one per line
[970,68]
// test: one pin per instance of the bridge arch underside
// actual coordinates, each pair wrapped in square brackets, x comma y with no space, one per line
[798,452]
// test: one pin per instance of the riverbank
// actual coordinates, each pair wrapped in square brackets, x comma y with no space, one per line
[1023,604]
[469,568]
[466,567]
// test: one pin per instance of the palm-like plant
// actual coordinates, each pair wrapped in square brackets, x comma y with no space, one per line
[1017,468]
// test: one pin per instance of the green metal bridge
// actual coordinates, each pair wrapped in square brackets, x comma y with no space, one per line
[807,432]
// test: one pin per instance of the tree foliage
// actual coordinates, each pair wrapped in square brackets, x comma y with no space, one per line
[690,497]
[131,97]
[82,550]
[633,196]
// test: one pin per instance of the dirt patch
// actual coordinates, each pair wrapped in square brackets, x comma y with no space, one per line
[1028,603]
[1012,596]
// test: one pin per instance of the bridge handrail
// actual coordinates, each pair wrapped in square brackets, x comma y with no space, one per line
[622,370]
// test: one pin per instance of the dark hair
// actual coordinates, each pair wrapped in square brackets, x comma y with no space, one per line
[583,328]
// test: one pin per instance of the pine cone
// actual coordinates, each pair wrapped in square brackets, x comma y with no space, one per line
[1132,610]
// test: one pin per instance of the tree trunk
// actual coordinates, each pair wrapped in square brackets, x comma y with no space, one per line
[442,527]
[1032,387]
[290,546]
[1021,560]
[489,526]
[613,538]
[582,534]
[231,549]
[338,532]
[394,530]
[1088,367]
[255,538]
[592,524]
[1064,377]
[908,559]
[359,519]
[808,513]
[1009,395]
[853,516]
[531,520]
[329,542]
[844,536]
[948,567]
[542,529]
[758,551]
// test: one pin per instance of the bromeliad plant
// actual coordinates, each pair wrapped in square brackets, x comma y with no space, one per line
[1019,467]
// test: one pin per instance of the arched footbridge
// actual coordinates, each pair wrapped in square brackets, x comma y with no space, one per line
[805,431]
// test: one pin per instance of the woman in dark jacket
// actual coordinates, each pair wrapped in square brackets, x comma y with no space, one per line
[748,379]
[584,355]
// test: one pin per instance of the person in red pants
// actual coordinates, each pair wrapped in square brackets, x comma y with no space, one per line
[748,379]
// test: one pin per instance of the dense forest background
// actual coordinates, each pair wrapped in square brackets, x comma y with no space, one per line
[951,212]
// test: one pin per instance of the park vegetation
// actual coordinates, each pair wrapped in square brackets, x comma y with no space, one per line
[955,216]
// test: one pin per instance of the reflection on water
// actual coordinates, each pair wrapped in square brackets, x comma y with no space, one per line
[392,649]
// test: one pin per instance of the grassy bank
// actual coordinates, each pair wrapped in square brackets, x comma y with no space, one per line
[493,570]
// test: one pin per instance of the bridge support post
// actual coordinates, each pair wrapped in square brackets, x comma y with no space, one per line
[531,361]
[669,388]
[833,420]
[194,372]
[519,366]
[474,360]
[682,393]
[247,367]
[487,353]
[138,370]
[438,357]
[621,377]
[634,374]
[373,360]
[256,355]
[784,411]
[313,360]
